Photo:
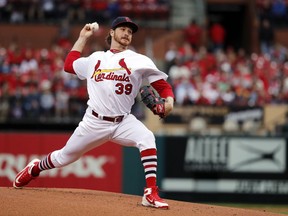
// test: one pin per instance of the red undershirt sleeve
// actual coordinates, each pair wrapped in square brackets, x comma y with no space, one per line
[163,88]
[71,57]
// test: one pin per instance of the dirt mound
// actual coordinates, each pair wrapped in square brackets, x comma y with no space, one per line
[50,201]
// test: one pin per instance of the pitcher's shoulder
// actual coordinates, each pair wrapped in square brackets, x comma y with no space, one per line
[133,54]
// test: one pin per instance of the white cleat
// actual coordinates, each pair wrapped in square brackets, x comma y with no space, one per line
[152,199]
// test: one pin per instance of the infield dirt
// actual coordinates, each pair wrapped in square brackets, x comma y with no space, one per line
[58,202]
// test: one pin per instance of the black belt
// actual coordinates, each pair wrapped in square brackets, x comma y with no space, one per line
[107,118]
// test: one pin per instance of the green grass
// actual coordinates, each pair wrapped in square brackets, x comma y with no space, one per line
[280,209]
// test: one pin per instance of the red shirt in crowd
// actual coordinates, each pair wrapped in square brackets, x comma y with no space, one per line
[217,33]
[193,34]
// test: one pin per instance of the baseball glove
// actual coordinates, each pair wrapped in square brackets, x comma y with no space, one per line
[151,100]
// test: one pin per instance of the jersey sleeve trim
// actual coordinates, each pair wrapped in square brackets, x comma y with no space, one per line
[163,88]
[68,64]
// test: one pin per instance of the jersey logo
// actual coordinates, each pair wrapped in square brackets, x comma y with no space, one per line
[101,74]
[96,69]
[123,65]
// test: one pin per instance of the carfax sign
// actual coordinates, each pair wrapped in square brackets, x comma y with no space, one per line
[99,169]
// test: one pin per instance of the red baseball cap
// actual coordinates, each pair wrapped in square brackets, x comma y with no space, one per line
[124,21]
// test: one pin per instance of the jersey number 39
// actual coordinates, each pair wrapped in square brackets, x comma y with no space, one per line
[121,88]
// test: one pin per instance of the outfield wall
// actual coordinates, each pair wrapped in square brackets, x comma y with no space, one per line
[99,169]
[191,168]
[226,169]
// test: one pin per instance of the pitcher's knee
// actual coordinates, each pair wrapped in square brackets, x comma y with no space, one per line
[147,142]
[60,158]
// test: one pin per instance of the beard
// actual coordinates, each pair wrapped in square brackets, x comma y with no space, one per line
[123,42]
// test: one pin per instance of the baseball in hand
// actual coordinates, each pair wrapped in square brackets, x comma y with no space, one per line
[94,26]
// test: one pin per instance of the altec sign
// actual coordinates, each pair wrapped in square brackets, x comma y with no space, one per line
[100,168]
[239,165]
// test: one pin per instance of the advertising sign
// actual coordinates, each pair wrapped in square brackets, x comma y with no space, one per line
[99,169]
[226,165]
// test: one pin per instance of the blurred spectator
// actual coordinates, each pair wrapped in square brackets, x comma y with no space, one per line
[207,61]
[210,92]
[227,95]
[16,101]
[185,53]
[193,34]
[266,36]
[63,10]
[17,12]
[31,103]
[186,93]
[48,9]
[113,9]
[3,9]
[4,62]
[98,10]
[90,15]
[279,13]
[285,81]
[64,34]
[75,11]
[264,9]
[217,34]
[28,63]
[170,56]
[4,101]
[34,12]
[47,100]
[178,71]
[61,103]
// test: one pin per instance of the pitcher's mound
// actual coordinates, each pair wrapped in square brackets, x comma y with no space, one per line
[51,201]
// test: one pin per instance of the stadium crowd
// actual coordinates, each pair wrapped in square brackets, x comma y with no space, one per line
[228,77]
[34,86]
[273,10]
[80,11]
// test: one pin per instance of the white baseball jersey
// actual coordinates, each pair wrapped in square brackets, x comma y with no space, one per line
[113,82]
[114,79]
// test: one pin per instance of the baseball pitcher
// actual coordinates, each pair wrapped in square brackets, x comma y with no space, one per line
[114,79]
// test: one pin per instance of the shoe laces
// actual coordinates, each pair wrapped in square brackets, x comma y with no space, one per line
[26,176]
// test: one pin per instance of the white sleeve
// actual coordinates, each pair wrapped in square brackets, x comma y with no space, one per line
[151,72]
[80,67]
